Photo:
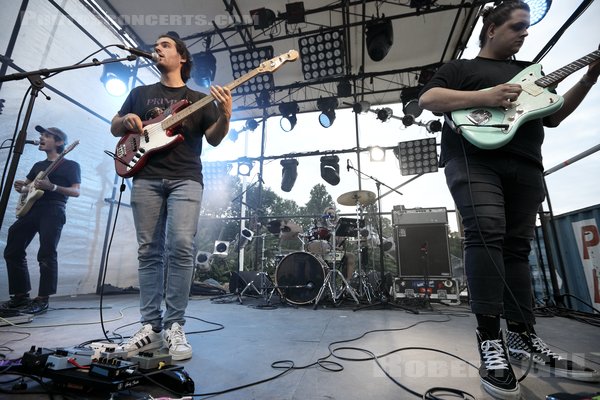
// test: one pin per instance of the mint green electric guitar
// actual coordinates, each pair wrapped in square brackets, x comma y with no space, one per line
[491,128]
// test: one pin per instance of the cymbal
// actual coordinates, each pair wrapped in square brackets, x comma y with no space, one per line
[362,197]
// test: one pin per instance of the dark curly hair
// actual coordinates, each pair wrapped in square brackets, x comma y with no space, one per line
[498,15]
[183,51]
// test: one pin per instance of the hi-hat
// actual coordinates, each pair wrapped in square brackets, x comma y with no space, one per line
[362,197]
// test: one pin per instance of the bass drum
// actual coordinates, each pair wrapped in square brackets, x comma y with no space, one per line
[299,277]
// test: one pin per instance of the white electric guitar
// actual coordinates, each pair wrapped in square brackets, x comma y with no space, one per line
[29,194]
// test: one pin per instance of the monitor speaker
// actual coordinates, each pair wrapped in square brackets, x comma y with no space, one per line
[422,250]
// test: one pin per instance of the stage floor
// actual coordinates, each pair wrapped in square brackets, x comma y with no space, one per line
[440,339]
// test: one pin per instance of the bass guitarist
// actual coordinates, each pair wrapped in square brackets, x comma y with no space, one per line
[46,217]
[166,195]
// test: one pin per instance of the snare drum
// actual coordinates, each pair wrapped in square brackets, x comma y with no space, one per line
[319,241]
[299,277]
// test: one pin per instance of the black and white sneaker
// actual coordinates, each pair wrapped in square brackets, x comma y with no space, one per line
[495,372]
[143,340]
[521,346]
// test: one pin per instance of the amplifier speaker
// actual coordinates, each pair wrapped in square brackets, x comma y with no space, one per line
[422,250]
[239,280]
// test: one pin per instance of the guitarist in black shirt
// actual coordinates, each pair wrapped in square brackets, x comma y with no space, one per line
[46,217]
[498,192]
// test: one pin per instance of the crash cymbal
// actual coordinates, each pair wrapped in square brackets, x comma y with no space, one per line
[362,197]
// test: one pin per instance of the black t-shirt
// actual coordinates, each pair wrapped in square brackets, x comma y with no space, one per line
[183,160]
[481,73]
[65,174]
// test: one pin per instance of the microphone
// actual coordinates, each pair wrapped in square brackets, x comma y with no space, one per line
[140,53]
[347,164]
[34,142]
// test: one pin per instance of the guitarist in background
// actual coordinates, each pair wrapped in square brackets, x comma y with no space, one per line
[498,193]
[46,218]
[166,197]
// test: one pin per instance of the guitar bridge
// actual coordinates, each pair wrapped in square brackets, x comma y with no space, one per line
[479,116]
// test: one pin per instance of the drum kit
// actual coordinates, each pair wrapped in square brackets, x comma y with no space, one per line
[324,267]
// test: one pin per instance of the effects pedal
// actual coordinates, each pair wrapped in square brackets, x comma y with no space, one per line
[36,358]
[69,358]
[148,360]
[112,368]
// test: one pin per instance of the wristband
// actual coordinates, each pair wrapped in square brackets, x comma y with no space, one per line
[54,188]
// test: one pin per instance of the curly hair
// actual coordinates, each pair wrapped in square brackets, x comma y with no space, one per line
[183,51]
[498,15]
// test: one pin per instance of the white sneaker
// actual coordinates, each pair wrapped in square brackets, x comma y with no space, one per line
[143,340]
[179,348]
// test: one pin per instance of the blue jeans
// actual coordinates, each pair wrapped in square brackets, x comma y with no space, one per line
[498,211]
[166,215]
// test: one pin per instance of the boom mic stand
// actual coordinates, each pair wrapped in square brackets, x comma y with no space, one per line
[383,299]
[37,84]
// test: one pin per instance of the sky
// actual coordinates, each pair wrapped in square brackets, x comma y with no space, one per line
[571,188]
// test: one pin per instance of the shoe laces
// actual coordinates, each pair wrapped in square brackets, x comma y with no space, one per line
[493,354]
[139,335]
[177,337]
[541,347]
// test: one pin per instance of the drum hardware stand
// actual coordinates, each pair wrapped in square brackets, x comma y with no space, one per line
[383,299]
[331,284]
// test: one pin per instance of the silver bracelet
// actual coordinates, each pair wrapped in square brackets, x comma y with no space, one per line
[54,188]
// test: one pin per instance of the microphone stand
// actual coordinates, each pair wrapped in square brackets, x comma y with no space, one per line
[37,84]
[383,299]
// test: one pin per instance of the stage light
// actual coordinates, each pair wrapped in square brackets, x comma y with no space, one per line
[294,13]
[289,173]
[361,107]
[204,68]
[214,175]
[245,237]
[410,101]
[262,18]
[538,10]
[376,153]
[380,37]
[327,107]
[245,61]
[263,99]
[288,116]
[383,114]
[330,169]
[115,77]
[203,261]
[244,168]
[221,249]
[419,4]
[418,156]
[434,126]
[322,55]
[250,125]
[344,89]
